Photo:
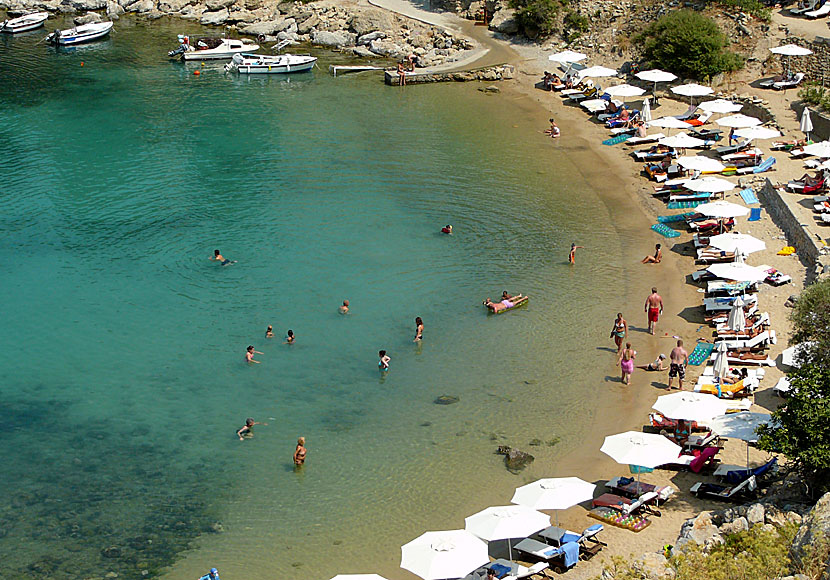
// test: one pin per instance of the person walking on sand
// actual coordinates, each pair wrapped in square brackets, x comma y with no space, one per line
[419,329]
[249,355]
[626,363]
[657,257]
[679,359]
[345,308]
[572,253]
[619,331]
[300,452]
[653,308]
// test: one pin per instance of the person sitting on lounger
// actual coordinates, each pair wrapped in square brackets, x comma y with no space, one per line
[547,81]
[681,432]
[641,128]
[569,81]
[735,376]
[657,365]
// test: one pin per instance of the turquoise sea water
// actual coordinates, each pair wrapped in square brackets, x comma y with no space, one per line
[121,356]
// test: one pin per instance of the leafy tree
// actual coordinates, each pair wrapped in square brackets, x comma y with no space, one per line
[688,44]
[537,17]
[811,322]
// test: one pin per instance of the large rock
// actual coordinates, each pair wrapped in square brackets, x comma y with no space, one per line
[114,10]
[333,39]
[171,6]
[514,459]
[88,18]
[80,5]
[214,18]
[366,39]
[383,47]
[141,6]
[504,21]
[755,514]
[235,16]
[268,27]
[701,531]
[814,529]
[307,25]
[735,526]
[214,5]
[370,20]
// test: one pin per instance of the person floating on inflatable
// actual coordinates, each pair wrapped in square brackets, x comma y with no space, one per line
[212,575]
[447,229]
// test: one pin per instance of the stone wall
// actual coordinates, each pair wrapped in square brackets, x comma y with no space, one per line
[801,236]
[816,65]
[821,122]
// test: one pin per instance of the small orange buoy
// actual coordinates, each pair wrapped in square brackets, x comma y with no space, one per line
[82,63]
[197,73]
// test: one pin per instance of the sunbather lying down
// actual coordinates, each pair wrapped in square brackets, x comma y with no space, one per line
[505,303]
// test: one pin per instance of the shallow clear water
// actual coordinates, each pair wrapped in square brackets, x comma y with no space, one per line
[121,356]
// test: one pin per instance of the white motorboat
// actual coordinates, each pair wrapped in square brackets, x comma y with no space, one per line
[79,34]
[275,65]
[24,23]
[212,48]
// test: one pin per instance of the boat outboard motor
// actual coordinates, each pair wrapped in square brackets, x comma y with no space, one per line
[56,36]
[177,51]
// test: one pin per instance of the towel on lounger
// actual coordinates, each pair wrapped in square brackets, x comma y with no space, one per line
[749,196]
[678,217]
[571,550]
[500,569]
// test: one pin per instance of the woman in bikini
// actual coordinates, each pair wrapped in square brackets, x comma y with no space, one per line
[419,329]
[626,363]
[656,258]
[619,331]
[300,452]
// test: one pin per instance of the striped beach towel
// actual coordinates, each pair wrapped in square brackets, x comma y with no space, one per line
[665,231]
[701,353]
[749,196]
[678,217]
[618,139]
[685,204]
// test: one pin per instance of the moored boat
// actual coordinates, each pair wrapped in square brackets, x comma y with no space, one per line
[211,48]
[262,64]
[24,23]
[79,34]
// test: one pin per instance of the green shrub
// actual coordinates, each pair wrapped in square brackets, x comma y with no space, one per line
[815,95]
[537,17]
[752,7]
[575,24]
[689,45]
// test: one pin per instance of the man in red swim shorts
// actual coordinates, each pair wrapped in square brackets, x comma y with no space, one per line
[654,308]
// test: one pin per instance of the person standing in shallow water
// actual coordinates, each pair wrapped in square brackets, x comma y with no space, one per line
[269,332]
[249,354]
[383,363]
[300,452]
[344,309]
[653,308]
[572,253]
[419,329]
[626,363]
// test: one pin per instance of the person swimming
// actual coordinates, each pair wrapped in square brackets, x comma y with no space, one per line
[212,575]
[218,257]
[249,354]
[247,430]
[300,452]
[289,337]
[447,229]
[383,363]
[269,332]
[345,308]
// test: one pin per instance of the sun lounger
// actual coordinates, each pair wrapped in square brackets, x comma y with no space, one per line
[643,140]
[708,377]
[560,558]
[628,506]
[735,474]
[690,112]
[823,11]
[742,388]
[776,278]
[699,197]
[803,7]
[725,302]
[720,492]
[655,156]
[694,463]
[629,487]
[706,134]
[757,322]
[765,165]
[678,217]
[796,80]
[762,339]
[569,92]
[710,255]
[746,156]
[727,149]
[728,287]
[507,570]
[736,360]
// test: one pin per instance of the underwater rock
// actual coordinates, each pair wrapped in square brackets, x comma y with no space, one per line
[215,528]
[446,400]
[111,552]
[514,460]
[535,442]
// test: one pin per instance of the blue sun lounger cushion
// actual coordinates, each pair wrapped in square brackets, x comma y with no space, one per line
[740,475]
[571,550]
[500,569]
[665,231]
[618,139]
[749,196]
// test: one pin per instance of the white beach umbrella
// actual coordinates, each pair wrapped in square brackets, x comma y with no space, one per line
[624,91]
[739,426]
[554,493]
[791,356]
[791,50]
[655,75]
[722,209]
[721,364]
[358,577]
[692,90]
[757,133]
[738,120]
[682,141]
[505,522]
[732,242]
[806,122]
[700,407]
[737,271]
[568,56]
[643,449]
[820,149]
[645,114]
[597,71]
[737,316]
[700,163]
[669,123]
[445,554]
[720,106]
[711,185]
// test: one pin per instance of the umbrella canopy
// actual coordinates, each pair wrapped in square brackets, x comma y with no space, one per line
[689,406]
[700,163]
[655,75]
[669,123]
[757,133]
[737,317]
[358,577]
[554,493]
[738,120]
[682,141]
[791,50]
[806,126]
[645,113]
[692,90]
[721,364]
[722,209]
[624,91]
[820,149]
[567,56]
[739,425]
[643,449]
[733,242]
[446,554]
[711,185]
[791,356]
[737,271]
[506,521]
[720,106]
[597,71]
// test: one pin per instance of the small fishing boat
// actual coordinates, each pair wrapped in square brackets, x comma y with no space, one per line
[516,302]
[212,48]
[24,23]
[79,34]
[275,65]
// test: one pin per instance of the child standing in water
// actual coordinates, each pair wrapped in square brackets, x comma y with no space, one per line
[289,337]
[383,363]
[419,329]
[345,308]
[572,253]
